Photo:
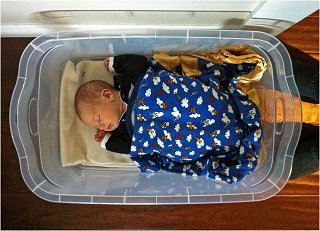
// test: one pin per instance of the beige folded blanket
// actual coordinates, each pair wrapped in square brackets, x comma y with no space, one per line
[77,145]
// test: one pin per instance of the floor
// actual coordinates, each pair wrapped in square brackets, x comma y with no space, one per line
[295,207]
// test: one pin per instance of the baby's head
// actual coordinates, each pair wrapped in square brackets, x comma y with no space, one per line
[99,105]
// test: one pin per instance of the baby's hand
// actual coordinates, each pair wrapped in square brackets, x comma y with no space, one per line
[100,135]
[106,64]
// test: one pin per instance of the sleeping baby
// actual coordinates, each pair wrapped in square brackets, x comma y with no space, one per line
[184,114]
[95,95]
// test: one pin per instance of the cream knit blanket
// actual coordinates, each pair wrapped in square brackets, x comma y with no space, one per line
[77,145]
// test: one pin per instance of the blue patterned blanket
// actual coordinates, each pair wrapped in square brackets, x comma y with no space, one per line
[195,126]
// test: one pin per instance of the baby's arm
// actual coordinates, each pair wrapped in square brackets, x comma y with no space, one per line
[102,137]
[108,64]
[130,66]
[120,143]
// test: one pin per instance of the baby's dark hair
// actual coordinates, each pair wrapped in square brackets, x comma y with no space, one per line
[89,93]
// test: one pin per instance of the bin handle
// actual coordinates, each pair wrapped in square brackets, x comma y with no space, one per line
[280,115]
[33,103]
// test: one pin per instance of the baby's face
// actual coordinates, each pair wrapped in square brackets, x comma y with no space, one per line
[104,115]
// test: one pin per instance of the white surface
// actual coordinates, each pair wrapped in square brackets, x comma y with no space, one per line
[33,18]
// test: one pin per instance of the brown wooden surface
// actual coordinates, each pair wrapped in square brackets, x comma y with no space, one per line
[295,207]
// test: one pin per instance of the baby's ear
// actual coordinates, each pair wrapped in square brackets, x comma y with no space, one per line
[107,94]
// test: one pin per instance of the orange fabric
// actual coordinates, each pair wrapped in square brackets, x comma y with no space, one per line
[277,111]
[310,113]
[236,55]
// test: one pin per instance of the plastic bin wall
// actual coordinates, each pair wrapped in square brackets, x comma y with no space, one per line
[34,120]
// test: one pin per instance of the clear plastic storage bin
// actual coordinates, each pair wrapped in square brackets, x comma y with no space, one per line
[34,120]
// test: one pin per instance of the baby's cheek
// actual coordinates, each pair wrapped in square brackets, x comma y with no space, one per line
[117,123]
